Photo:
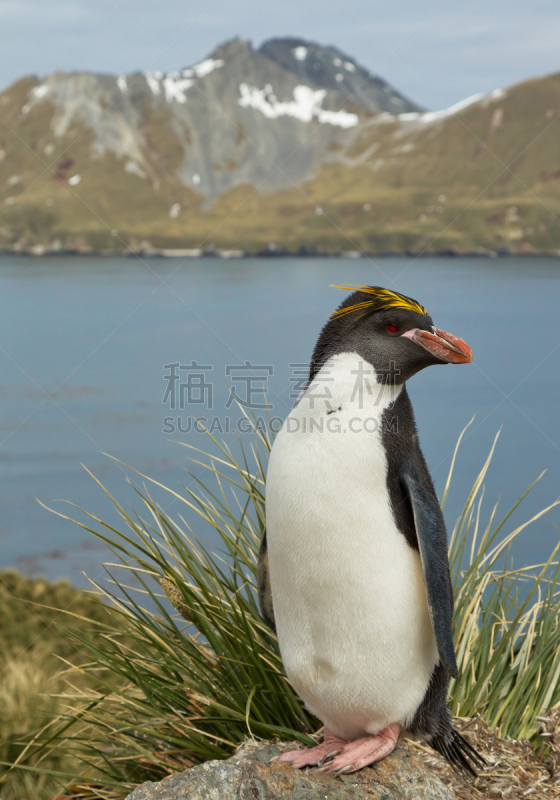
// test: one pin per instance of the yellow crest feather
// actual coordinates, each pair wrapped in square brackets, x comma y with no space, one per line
[381,300]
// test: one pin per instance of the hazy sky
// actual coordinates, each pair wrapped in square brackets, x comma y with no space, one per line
[435,51]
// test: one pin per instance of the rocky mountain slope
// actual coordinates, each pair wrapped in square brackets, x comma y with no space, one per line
[290,147]
[331,69]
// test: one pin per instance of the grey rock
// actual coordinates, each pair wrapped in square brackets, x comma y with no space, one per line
[250,775]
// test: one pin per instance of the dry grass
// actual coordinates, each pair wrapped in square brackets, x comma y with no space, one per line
[32,699]
[515,769]
[37,683]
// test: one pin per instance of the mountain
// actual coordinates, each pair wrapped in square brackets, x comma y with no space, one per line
[292,147]
[330,68]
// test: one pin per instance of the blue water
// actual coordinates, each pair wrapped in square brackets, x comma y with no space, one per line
[84,342]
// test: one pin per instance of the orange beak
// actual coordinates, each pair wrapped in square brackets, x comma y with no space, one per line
[442,345]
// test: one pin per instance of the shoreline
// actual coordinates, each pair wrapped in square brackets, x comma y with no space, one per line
[187,253]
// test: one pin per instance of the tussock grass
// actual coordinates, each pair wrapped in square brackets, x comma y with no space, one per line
[506,628]
[200,670]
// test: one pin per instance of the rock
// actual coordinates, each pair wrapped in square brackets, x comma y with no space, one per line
[250,775]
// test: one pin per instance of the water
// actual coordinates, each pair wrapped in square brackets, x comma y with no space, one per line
[84,342]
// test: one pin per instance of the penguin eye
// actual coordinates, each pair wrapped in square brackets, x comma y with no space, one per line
[392,328]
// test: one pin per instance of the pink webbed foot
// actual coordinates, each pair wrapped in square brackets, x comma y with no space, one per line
[311,756]
[361,752]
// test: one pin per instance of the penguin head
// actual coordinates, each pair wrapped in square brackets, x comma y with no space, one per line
[390,331]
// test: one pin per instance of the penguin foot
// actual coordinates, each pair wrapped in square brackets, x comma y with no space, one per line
[361,752]
[330,747]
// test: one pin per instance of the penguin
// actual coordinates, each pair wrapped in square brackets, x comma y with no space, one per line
[353,572]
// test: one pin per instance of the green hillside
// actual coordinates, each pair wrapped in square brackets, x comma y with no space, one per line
[485,178]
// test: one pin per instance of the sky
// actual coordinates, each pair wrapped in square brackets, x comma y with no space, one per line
[436,52]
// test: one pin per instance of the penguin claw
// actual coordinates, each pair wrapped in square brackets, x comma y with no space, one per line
[321,755]
[344,770]
[329,756]
[336,772]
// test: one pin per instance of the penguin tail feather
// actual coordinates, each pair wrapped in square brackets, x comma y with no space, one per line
[458,752]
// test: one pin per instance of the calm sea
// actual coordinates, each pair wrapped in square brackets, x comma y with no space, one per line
[87,348]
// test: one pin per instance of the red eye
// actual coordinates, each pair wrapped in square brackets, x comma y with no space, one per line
[392,328]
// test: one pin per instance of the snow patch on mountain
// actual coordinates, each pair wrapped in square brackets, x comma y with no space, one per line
[306,105]
[428,117]
[135,169]
[175,84]
[207,66]
[153,80]
[40,91]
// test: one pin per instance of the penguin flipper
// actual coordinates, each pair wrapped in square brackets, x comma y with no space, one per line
[263,586]
[432,544]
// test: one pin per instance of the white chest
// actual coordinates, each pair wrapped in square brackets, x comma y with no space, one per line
[348,593]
